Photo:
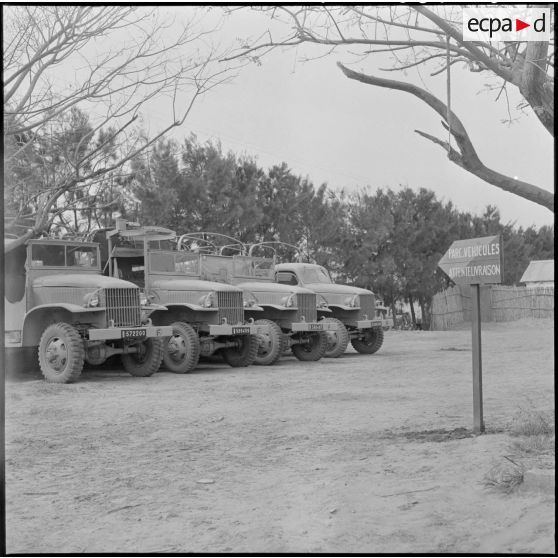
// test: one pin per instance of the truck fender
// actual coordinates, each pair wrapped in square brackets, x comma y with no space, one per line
[275,307]
[38,318]
[151,307]
[343,307]
[194,307]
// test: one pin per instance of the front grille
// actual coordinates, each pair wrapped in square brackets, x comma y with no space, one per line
[367,306]
[306,303]
[123,306]
[231,306]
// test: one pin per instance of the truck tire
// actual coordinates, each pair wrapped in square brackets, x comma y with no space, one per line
[312,351]
[271,344]
[245,354]
[145,362]
[373,340]
[337,341]
[181,352]
[61,353]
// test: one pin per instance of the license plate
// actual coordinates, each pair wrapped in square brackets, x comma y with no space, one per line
[316,327]
[241,330]
[134,334]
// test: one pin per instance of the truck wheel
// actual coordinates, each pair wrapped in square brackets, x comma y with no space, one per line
[245,354]
[61,353]
[147,360]
[314,349]
[373,340]
[181,352]
[337,341]
[271,344]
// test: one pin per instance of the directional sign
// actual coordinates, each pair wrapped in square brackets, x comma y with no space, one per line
[474,260]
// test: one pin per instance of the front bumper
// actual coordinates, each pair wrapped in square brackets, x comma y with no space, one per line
[314,326]
[244,329]
[128,333]
[367,324]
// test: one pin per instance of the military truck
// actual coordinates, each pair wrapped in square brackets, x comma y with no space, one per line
[353,309]
[57,301]
[206,317]
[289,312]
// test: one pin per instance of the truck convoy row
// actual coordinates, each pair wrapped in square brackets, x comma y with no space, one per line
[141,293]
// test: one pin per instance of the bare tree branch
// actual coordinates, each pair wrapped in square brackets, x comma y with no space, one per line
[55,159]
[467,157]
[417,38]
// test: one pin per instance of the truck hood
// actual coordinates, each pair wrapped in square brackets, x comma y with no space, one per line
[334,288]
[82,280]
[264,287]
[192,285]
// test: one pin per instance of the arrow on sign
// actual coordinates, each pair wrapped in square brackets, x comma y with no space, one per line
[474,260]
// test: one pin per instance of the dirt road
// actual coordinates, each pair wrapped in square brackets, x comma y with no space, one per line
[359,454]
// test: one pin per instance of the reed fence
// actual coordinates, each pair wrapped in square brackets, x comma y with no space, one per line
[498,304]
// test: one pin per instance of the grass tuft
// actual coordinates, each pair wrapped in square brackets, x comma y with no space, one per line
[533,443]
[532,423]
[505,475]
[540,444]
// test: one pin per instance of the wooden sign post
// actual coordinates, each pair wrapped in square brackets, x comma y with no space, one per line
[475,262]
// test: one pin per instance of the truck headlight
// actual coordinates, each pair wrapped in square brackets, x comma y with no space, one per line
[321,302]
[207,300]
[143,299]
[288,301]
[92,300]
[249,299]
[352,301]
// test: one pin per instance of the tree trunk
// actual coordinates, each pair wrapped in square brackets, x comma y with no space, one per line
[393,312]
[413,317]
[425,313]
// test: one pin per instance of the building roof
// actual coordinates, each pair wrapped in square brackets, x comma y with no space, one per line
[539,271]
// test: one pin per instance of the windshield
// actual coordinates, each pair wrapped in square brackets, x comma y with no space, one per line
[248,266]
[315,275]
[174,262]
[61,255]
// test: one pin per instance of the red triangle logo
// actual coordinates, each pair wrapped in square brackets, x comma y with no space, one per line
[519,25]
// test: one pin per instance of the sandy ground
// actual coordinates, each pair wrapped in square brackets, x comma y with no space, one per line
[358,454]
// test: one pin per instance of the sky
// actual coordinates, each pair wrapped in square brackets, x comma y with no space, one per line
[351,135]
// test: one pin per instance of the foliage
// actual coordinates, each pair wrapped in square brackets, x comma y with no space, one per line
[396,241]
[75,81]
[388,241]
[194,187]
[41,175]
